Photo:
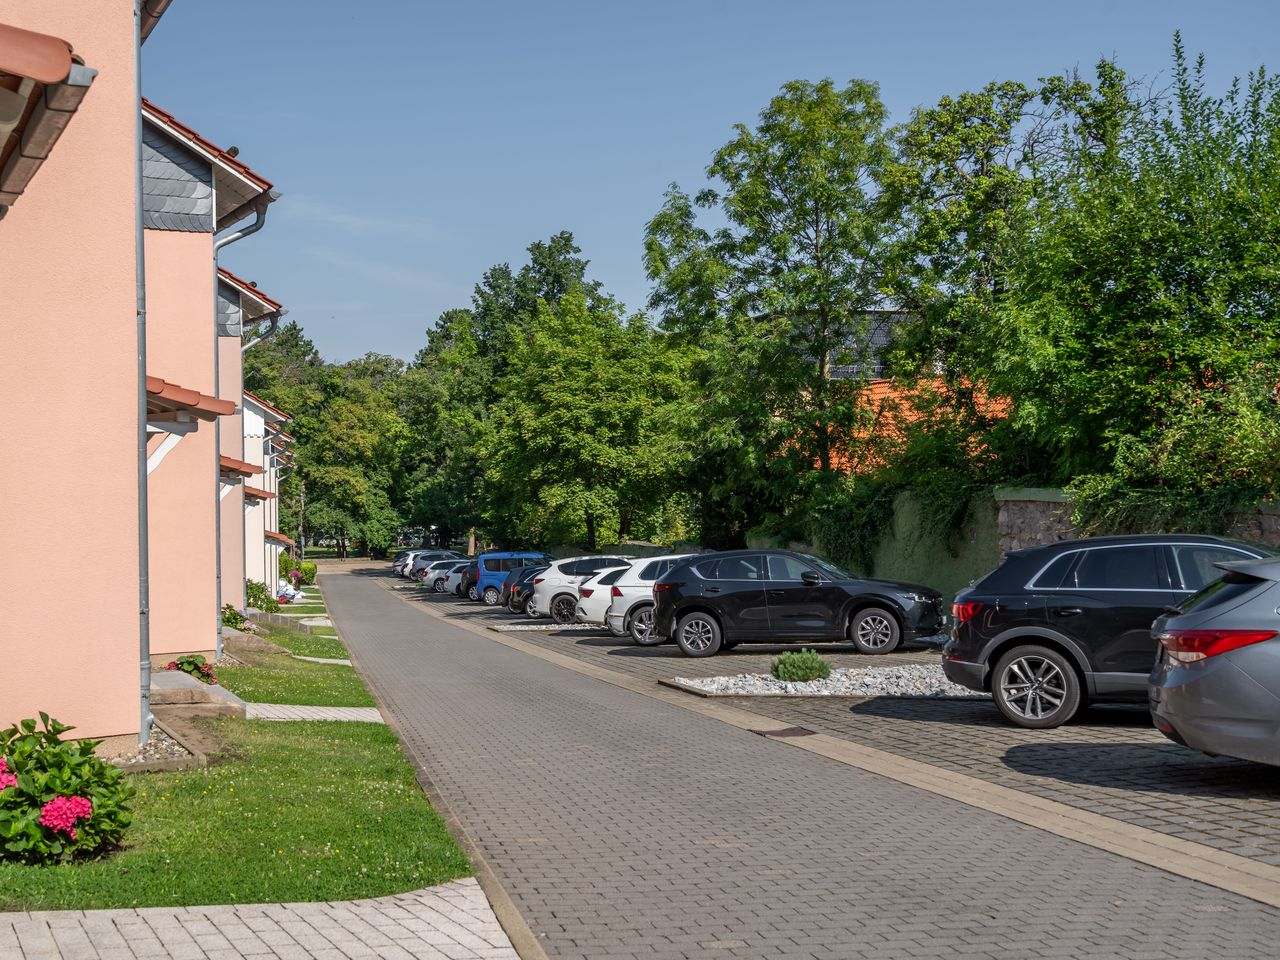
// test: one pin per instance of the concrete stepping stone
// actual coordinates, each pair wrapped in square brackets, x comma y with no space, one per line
[342,663]
[289,711]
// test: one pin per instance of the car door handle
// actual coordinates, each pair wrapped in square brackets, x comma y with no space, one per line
[777,593]
[1067,612]
[713,590]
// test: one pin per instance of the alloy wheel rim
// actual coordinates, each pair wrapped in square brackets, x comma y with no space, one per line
[875,632]
[642,624]
[697,635]
[1030,684]
[564,608]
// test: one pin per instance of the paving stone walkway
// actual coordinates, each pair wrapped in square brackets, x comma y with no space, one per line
[625,827]
[450,922]
[288,711]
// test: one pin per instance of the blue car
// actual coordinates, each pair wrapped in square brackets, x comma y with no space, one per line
[494,568]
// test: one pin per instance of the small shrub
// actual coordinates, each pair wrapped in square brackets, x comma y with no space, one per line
[308,573]
[231,617]
[58,801]
[260,598]
[284,564]
[195,665]
[800,666]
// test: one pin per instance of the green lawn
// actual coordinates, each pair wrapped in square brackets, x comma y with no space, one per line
[278,678]
[309,645]
[300,811]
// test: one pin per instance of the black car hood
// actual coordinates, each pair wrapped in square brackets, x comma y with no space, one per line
[892,586]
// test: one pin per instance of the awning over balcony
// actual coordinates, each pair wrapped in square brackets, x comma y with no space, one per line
[279,538]
[41,86]
[258,493]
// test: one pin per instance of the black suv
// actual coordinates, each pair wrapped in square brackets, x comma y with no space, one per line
[719,600]
[1057,626]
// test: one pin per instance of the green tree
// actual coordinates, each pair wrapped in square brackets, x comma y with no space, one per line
[780,294]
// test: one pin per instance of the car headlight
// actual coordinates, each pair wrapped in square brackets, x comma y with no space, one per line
[921,597]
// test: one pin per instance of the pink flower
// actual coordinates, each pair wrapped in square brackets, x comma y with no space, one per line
[61,813]
[171,665]
[7,779]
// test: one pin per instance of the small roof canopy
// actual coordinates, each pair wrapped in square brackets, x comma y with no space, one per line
[278,538]
[164,397]
[231,467]
[258,493]
[42,83]
[254,304]
[270,413]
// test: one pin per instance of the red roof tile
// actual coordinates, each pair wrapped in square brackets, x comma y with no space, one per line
[206,146]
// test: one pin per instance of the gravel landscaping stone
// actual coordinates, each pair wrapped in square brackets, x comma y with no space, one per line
[911,680]
[160,746]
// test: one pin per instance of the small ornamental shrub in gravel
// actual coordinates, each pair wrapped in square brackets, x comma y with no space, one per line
[195,665]
[231,617]
[260,597]
[801,666]
[58,801]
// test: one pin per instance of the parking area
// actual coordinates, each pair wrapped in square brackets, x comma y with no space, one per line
[1110,762]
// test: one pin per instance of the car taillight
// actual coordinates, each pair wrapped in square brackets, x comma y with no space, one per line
[1189,646]
[538,580]
[585,591]
[964,612]
[658,587]
[615,592]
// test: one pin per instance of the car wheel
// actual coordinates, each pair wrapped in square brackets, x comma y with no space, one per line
[473,593]
[491,596]
[438,586]
[528,607]
[640,626]
[874,630]
[1036,687]
[698,635]
[563,608]
[514,604]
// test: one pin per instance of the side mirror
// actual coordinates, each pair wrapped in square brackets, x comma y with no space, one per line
[810,578]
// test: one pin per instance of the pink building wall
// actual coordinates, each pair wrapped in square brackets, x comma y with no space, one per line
[230,375]
[68,468]
[183,489]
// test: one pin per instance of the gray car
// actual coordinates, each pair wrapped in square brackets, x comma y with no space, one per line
[1216,683]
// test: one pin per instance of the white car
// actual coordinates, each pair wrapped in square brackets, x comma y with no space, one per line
[631,598]
[555,590]
[425,559]
[453,579]
[434,573]
[594,596]
[403,566]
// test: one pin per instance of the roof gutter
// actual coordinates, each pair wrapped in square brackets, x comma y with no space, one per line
[258,205]
[274,317]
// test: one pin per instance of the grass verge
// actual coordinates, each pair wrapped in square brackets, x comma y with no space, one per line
[278,678]
[305,810]
[325,645]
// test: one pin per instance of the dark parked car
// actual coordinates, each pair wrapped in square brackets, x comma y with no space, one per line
[1058,626]
[1216,683]
[719,600]
[470,577]
[517,589]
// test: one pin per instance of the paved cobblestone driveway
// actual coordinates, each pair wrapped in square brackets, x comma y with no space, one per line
[625,828]
[1113,762]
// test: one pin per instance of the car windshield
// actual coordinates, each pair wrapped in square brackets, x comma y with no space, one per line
[828,568]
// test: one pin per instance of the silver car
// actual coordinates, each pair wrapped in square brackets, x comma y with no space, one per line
[1216,683]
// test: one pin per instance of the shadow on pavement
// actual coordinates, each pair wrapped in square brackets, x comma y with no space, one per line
[1154,768]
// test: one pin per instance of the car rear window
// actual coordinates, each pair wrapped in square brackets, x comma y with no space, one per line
[733,568]
[1051,577]
[1196,562]
[1233,585]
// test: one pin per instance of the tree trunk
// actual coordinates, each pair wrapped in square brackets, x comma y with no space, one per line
[591,530]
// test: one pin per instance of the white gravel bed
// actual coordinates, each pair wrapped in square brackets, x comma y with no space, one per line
[911,680]
[160,746]
[557,627]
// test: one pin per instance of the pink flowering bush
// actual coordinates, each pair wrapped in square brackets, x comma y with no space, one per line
[58,799]
[196,666]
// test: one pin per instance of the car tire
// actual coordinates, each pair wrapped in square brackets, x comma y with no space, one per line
[1036,687]
[640,626]
[698,635]
[875,631]
[564,608]
[528,607]
[473,593]
[491,596]
[438,586]
[513,603]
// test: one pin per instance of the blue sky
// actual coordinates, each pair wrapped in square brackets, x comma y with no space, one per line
[418,143]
